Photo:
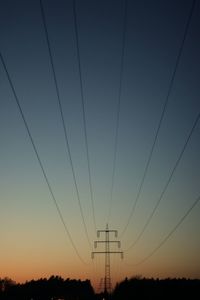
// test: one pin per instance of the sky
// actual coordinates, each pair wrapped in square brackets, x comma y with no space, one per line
[34,242]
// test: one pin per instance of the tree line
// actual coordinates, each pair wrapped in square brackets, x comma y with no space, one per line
[165,289]
[53,288]
[57,288]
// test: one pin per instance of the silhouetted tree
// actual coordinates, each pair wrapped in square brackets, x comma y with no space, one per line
[6,283]
[142,288]
[53,288]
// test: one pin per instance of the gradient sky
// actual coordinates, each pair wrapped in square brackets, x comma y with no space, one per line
[34,243]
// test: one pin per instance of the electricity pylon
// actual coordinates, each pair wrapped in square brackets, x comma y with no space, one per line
[107,252]
[100,287]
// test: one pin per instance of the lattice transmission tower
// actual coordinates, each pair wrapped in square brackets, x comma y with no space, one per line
[107,252]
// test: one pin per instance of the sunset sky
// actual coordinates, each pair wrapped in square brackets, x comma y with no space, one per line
[34,242]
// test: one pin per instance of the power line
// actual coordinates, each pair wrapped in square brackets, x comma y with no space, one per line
[83,110]
[170,233]
[161,118]
[167,183]
[118,107]
[39,159]
[63,120]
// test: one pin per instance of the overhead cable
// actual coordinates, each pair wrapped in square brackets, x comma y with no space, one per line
[63,120]
[118,108]
[166,238]
[83,110]
[178,58]
[167,183]
[39,160]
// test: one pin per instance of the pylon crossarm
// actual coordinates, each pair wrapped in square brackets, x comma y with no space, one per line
[107,230]
[116,242]
[109,252]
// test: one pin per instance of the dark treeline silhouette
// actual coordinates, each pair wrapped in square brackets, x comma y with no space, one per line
[165,289]
[57,288]
[46,289]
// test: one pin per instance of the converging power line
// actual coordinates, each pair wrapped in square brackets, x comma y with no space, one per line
[83,110]
[178,58]
[39,160]
[118,108]
[63,120]
[167,183]
[173,230]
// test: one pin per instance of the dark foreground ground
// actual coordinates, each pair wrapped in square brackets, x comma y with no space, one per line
[56,288]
